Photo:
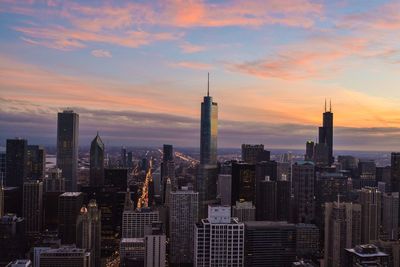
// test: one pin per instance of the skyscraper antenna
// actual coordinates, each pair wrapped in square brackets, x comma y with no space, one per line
[208,85]
[325,104]
[330,105]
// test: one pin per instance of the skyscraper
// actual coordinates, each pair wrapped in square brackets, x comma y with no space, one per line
[1,198]
[134,222]
[168,167]
[219,239]
[69,206]
[254,153]
[309,150]
[16,162]
[342,230]
[3,160]
[243,182]
[97,162]
[155,246]
[36,162]
[67,147]
[32,206]
[390,216]
[326,131]
[269,244]
[209,130]
[67,256]
[182,217]
[303,190]
[370,200]
[88,231]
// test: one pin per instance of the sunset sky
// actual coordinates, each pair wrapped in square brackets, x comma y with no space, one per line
[137,71]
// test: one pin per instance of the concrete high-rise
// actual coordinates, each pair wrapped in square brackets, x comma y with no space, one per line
[155,246]
[32,206]
[54,181]
[69,206]
[370,200]
[244,211]
[67,256]
[88,231]
[390,216]
[303,190]
[67,147]
[208,130]
[219,239]
[326,131]
[182,217]
[342,230]
[134,222]
[96,162]
[16,162]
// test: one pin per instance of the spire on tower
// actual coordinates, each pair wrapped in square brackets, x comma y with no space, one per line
[325,104]
[208,85]
[330,105]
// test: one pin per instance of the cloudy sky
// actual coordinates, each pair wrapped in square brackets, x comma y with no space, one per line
[137,71]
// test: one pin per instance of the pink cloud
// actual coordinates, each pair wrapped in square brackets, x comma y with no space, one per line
[101,53]
[192,65]
[189,48]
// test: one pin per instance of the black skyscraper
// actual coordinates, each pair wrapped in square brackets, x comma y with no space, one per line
[243,182]
[326,132]
[69,205]
[16,162]
[97,162]
[67,147]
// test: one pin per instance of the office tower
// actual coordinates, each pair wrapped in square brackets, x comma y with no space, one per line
[182,217]
[116,178]
[392,248]
[16,162]
[254,153]
[208,130]
[168,167]
[370,200]
[12,200]
[310,145]
[123,158]
[20,263]
[129,163]
[244,211]
[395,171]
[365,255]
[266,169]
[69,206]
[321,154]
[3,160]
[155,246]
[390,216]
[131,252]
[342,230]
[32,208]
[283,171]
[348,162]
[66,256]
[367,171]
[383,174]
[97,162]
[50,210]
[243,182]
[12,238]
[307,240]
[219,239]
[36,164]
[54,180]
[326,132]
[224,188]
[267,201]
[206,186]
[67,147]
[1,198]
[135,221]
[88,231]
[269,244]
[303,189]
[273,200]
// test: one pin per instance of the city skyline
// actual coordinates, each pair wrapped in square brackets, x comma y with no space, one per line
[135,72]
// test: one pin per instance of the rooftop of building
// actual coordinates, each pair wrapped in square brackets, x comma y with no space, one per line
[366,250]
[132,240]
[71,194]
[270,224]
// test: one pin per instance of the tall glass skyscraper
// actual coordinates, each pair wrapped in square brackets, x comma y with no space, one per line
[326,131]
[67,147]
[208,171]
[97,162]
[209,130]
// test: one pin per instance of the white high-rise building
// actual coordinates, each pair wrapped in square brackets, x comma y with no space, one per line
[219,239]
[182,218]
[155,246]
[135,221]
